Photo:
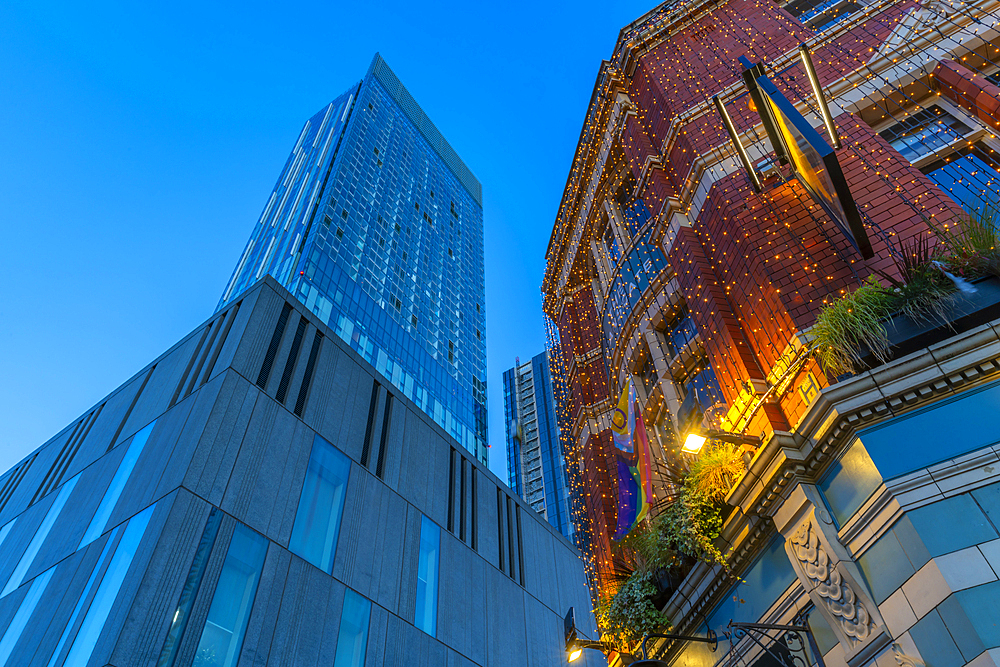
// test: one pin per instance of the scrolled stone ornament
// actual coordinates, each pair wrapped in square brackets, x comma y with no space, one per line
[840,599]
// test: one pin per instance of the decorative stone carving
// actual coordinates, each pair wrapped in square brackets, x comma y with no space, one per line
[837,594]
[902,659]
[829,575]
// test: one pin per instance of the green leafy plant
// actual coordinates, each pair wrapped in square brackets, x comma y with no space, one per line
[645,549]
[923,291]
[715,472]
[852,323]
[692,524]
[629,614]
[973,242]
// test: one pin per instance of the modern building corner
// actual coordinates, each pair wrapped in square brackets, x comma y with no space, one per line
[260,494]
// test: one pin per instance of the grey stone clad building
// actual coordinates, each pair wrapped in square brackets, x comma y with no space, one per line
[259,495]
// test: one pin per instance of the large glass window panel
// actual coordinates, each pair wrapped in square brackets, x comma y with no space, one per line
[425,617]
[20,620]
[925,131]
[102,559]
[970,176]
[107,592]
[353,637]
[114,492]
[850,482]
[17,576]
[234,594]
[321,505]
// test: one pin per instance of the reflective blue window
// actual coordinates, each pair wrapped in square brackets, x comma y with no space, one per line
[234,594]
[425,617]
[114,492]
[20,620]
[107,592]
[970,176]
[105,554]
[6,529]
[353,638]
[850,482]
[17,576]
[321,505]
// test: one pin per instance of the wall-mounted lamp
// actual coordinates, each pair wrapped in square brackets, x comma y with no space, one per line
[807,63]
[735,138]
[575,645]
[696,438]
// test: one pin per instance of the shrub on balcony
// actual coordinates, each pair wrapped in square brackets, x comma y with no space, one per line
[629,614]
[930,277]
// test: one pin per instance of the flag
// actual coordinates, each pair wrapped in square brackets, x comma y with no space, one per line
[632,463]
[623,419]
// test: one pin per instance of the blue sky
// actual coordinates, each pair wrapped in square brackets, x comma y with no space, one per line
[139,142]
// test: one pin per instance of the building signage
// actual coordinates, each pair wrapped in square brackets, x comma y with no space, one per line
[811,157]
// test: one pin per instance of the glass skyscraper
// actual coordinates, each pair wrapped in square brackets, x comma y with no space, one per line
[536,468]
[376,225]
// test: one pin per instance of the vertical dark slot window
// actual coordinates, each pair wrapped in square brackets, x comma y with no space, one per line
[511,563]
[463,499]
[202,355]
[300,400]
[13,480]
[190,363]
[451,491]
[210,366]
[272,347]
[293,356]
[520,549]
[366,449]
[386,418]
[475,512]
[501,547]
[128,413]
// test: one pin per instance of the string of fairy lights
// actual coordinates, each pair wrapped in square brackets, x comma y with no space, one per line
[770,243]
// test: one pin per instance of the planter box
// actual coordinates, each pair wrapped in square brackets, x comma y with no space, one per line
[669,580]
[965,312]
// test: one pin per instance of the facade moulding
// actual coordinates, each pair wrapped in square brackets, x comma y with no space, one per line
[776,494]
[587,168]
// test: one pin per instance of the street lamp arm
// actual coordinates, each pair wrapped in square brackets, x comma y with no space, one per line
[711,639]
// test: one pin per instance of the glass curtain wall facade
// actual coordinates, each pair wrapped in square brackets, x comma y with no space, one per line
[535,464]
[376,225]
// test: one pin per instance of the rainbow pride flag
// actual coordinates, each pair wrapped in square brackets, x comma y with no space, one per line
[633,463]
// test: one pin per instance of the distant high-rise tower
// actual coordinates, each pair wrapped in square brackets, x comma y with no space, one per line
[376,225]
[535,465]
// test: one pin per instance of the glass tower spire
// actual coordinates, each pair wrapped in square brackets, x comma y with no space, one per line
[376,225]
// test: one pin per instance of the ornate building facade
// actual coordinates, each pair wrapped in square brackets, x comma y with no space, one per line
[673,267]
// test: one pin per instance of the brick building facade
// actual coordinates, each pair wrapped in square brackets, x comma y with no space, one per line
[667,269]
